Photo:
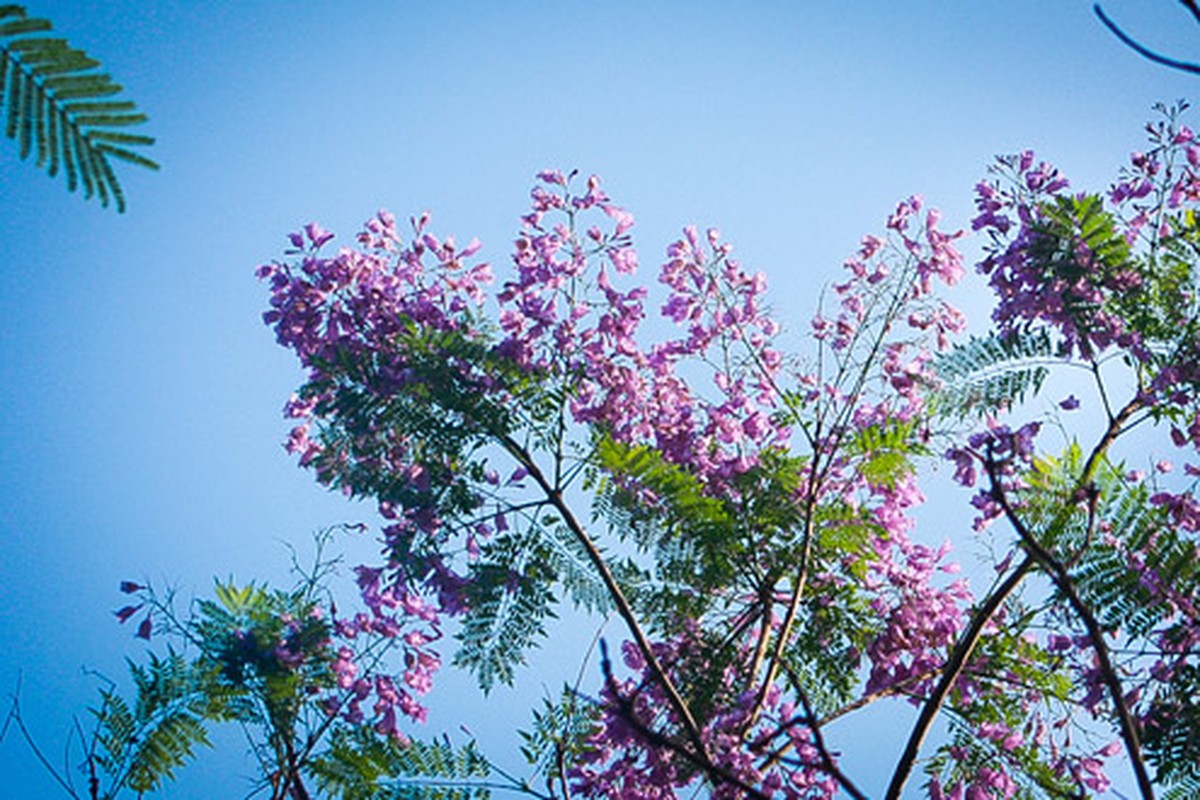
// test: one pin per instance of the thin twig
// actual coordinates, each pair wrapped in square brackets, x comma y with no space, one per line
[827,762]
[785,630]
[15,716]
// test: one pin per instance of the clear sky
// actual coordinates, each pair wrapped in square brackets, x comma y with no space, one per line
[140,394]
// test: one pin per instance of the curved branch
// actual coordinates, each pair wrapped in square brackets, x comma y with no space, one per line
[1035,554]
[1142,50]
[827,763]
[715,773]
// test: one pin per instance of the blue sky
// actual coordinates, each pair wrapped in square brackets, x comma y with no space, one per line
[140,394]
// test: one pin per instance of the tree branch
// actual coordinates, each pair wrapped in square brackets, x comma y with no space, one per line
[967,644]
[952,671]
[1191,6]
[827,762]
[555,498]
[719,775]
[1145,52]
[1062,579]
[14,716]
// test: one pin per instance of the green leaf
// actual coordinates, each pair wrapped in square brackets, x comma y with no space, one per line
[986,374]
[509,598]
[51,101]
[361,765]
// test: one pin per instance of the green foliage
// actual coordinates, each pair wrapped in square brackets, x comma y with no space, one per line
[1009,671]
[993,372]
[241,633]
[361,765]
[827,646]
[663,510]
[559,732]
[141,747]
[1172,731]
[1051,512]
[886,450]
[438,423]
[509,599]
[1076,237]
[703,546]
[1125,551]
[1080,243]
[55,103]
[1163,305]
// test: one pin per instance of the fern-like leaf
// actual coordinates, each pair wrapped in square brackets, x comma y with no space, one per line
[510,597]
[361,765]
[141,746]
[989,373]
[52,103]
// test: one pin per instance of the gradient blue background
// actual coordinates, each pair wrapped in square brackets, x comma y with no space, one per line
[140,394]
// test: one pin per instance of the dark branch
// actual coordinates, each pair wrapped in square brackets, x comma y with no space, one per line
[717,774]
[555,498]
[1191,6]
[827,763]
[1146,52]
[14,716]
[1062,579]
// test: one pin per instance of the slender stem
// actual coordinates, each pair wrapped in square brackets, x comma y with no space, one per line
[967,644]
[555,498]
[827,762]
[879,694]
[1115,429]
[15,716]
[766,599]
[1101,389]
[785,631]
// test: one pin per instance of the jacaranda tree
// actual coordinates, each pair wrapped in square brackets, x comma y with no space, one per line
[536,445]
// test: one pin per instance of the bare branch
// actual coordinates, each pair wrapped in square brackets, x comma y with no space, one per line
[1191,6]
[1145,52]
[14,716]
[827,762]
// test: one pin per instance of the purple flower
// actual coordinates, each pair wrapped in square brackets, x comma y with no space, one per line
[316,234]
